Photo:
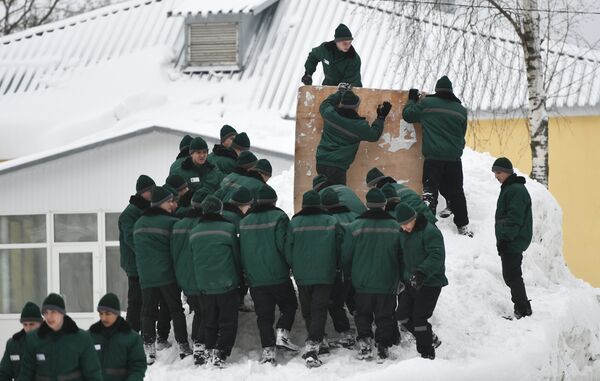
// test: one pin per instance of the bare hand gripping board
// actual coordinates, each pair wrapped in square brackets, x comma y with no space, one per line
[397,153]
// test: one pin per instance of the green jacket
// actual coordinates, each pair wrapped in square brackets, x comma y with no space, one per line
[423,250]
[412,199]
[514,222]
[343,215]
[313,246]
[181,252]
[177,163]
[444,124]
[120,351]
[342,135]
[230,184]
[347,198]
[152,238]
[207,175]
[338,67]
[371,253]
[262,245]
[127,219]
[223,158]
[11,361]
[233,214]
[64,355]
[216,255]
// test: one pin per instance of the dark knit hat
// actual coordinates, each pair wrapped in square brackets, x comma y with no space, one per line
[144,183]
[54,302]
[330,198]
[266,195]
[177,182]
[405,214]
[212,205]
[160,195]
[31,312]
[502,164]
[263,166]
[226,132]
[443,85]
[311,198]
[109,303]
[242,196]
[342,33]
[184,144]
[349,100]
[172,190]
[199,196]
[241,142]
[318,182]
[198,144]
[375,199]
[374,176]
[246,160]
[390,192]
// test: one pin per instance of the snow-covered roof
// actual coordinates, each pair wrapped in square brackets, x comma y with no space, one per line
[205,7]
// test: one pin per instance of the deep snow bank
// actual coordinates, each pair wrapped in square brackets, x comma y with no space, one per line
[559,342]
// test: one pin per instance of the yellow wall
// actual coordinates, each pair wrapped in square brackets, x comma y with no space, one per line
[574,162]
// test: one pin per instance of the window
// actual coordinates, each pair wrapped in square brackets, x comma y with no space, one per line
[23,229]
[76,280]
[213,44]
[112,226]
[76,227]
[116,279]
[24,278]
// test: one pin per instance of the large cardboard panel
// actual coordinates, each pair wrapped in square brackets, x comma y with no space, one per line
[397,153]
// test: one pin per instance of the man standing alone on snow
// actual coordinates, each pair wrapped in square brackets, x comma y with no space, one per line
[513,231]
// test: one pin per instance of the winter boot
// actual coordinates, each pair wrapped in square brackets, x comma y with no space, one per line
[311,355]
[523,311]
[201,355]
[429,354]
[365,350]
[284,342]
[436,342]
[269,356]
[162,343]
[445,213]
[464,230]
[347,339]
[218,358]
[324,348]
[184,350]
[383,353]
[150,350]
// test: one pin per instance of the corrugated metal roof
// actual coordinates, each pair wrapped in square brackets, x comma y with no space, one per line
[205,7]
[39,58]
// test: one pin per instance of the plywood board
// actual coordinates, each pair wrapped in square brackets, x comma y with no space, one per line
[397,153]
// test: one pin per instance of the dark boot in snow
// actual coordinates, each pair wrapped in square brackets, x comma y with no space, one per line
[217,358]
[269,356]
[383,353]
[445,213]
[464,230]
[162,343]
[184,350]
[523,311]
[201,355]
[150,350]
[324,348]
[311,355]
[365,349]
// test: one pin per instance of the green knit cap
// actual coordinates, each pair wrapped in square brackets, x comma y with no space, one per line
[198,144]
[226,132]
[443,85]
[31,312]
[242,196]
[330,198]
[390,192]
[241,142]
[143,184]
[177,182]
[349,100]
[375,199]
[405,214]
[502,164]
[184,144]
[266,195]
[199,196]
[311,198]
[246,160]
[212,205]
[374,176]
[318,182]
[342,33]
[109,303]
[54,302]
[160,195]
[263,166]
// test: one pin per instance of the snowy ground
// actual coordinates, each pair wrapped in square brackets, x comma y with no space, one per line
[559,342]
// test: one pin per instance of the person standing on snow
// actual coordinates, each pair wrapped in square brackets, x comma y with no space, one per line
[196,170]
[341,63]
[514,227]
[223,155]
[444,121]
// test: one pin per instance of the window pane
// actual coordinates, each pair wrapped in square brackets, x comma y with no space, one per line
[76,281]
[112,226]
[23,229]
[116,279]
[23,279]
[75,227]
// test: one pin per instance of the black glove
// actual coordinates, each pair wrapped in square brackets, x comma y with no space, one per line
[383,110]
[416,280]
[502,246]
[413,94]
[307,79]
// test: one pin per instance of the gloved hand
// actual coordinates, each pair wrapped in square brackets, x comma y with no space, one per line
[307,79]
[413,94]
[502,246]
[383,110]
[416,280]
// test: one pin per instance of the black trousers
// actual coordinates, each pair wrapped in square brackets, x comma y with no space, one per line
[414,309]
[445,176]
[163,325]
[197,322]
[265,299]
[314,301]
[513,277]
[350,293]
[378,308]
[134,303]
[220,320]
[172,297]
[336,305]
[335,175]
